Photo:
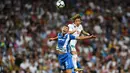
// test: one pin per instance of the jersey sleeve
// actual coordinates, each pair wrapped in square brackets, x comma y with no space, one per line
[81,27]
[58,34]
[72,37]
[70,27]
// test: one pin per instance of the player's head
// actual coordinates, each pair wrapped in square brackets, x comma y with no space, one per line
[65,29]
[76,19]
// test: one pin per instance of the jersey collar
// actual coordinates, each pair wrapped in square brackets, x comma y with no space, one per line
[63,35]
[74,25]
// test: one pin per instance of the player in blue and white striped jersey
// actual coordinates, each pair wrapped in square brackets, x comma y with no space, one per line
[63,48]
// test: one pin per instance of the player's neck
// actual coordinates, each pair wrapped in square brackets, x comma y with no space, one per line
[63,34]
[76,25]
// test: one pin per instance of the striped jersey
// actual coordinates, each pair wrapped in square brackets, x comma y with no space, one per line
[64,42]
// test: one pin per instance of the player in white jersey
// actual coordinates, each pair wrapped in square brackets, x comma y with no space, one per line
[76,29]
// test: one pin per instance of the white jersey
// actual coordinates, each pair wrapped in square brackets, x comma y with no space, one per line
[76,34]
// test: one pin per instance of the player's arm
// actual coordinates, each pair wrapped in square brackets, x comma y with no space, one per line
[82,37]
[71,32]
[84,32]
[85,37]
[55,38]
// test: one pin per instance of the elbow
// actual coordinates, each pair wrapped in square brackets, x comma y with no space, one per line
[79,38]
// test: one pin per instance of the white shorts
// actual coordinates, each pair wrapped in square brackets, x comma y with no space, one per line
[72,48]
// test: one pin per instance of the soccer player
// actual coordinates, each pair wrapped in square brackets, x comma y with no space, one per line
[76,29]
[63,48]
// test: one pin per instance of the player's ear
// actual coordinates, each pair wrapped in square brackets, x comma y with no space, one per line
[62,28]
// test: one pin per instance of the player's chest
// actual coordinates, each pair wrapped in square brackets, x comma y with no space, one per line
[61,39]
[78,30]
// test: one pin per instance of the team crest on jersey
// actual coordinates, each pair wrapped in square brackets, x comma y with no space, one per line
[78,32]
[61,39]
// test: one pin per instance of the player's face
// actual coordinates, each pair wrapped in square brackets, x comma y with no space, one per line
[65,29]
[77,21]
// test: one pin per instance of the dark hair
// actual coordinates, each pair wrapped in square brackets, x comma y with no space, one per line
[77,16]
[66,25]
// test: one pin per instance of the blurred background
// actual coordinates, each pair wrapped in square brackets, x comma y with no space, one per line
[26,25]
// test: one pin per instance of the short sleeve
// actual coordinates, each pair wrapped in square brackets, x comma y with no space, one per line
[58,34]
[81,27]
[72,37]
[70,27]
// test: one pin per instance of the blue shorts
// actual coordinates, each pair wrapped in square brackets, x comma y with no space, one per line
[65,61]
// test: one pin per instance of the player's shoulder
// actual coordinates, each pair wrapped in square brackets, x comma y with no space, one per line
[70,25]
[67,34]
[80,25]
[59,34]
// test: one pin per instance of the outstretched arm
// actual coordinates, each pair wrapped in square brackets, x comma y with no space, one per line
[85,37]
[55,38]
[84,32]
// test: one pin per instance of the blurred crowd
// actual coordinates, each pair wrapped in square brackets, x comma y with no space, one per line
[26,25]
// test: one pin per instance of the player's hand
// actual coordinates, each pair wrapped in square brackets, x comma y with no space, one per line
[93,36]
